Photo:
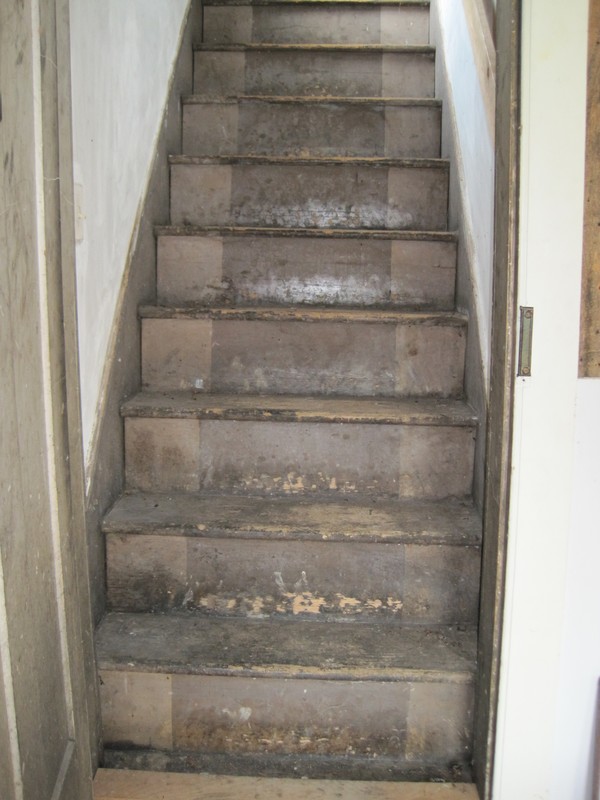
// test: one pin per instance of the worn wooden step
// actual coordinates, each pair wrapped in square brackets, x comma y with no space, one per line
[194,441]
[313,69]
[415,562]
[319,22]
[282,191]
[303,350]
[304,519]
[322,266]
[284,686]
[120,784]
[311,126]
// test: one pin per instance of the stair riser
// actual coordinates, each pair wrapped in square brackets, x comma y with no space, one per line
[419,584]
[310,196]
[324,270]
[297,458]
[303,358]
[411,720]
[320,74]
[320,129]
[323,25]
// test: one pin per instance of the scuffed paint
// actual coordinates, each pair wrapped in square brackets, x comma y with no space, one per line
[300,601]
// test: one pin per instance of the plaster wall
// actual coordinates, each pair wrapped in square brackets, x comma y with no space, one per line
[580,645]
[465,82]
[551,654]
[122,60]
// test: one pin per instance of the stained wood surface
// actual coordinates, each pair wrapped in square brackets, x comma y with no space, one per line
[183,643]
[297,518]
[45,675]
[134,785]
[430,102]
[589,347]
[395,3]
[282,408]
[306,314]
[307,233]
[419,49]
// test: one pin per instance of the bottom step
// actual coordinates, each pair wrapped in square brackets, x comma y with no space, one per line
[369,693]
[136,785]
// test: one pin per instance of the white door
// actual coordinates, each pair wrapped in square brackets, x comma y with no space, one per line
[550,656]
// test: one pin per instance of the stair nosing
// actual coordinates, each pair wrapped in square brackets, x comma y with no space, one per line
[419,102]
[408,49]
[183,663]
[307,314]
[310,161]
[335,3]
[325,233]
[187,404]
[248,519]
[285,672]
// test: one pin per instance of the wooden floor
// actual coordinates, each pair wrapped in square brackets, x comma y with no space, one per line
[130,785]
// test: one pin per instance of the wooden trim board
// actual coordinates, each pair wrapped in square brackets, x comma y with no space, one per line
[589,349]
[114,784]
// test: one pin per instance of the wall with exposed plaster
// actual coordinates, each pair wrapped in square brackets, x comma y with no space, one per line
[122,60]
[465,82]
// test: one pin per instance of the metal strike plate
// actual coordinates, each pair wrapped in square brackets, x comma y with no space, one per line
[525,341]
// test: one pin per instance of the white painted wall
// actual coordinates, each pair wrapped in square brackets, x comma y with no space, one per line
[123,53]
[551,649]
[474,159]
[580,640]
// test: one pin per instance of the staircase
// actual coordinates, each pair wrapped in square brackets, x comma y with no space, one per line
[293,569]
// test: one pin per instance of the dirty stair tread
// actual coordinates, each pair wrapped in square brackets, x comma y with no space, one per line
[305,313]
[310,161]
[421,102]
[317,3]
[452,522]
[296,408]
[184,643]
[383,49]
[119,784]
[288,232]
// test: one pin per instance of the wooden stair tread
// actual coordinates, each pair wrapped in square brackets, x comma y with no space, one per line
[323,233]
[141,785]
[305,313]
[316,3]
[310,161]
[183,643]
[299,518]
[378,49]
[286,408]
[199,99]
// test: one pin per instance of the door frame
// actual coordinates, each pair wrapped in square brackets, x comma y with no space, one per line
[502,385]
[37,61]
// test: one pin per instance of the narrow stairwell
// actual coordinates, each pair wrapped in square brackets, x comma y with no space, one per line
[293,569]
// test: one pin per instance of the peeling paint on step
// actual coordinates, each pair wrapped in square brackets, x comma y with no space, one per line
[302,602]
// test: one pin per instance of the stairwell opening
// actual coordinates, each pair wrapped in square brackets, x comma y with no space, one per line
[234,273]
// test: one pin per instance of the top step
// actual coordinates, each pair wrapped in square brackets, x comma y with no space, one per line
[316,21]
